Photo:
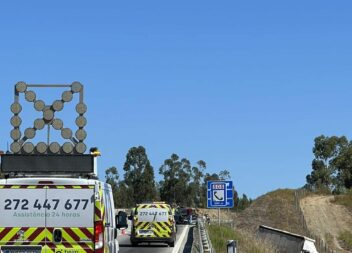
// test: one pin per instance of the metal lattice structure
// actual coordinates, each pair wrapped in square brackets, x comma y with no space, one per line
[73,144]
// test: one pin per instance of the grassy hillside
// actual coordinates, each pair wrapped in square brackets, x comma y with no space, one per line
[345,237]
[247,243]
[345,200]
[276,209]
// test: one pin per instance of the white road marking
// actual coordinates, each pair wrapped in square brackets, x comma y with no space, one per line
[180,240]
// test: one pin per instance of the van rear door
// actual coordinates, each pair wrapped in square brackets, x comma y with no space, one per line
[70,219]
[22,218]
[48,219]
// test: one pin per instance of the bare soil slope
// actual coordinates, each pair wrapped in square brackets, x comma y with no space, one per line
[326,219]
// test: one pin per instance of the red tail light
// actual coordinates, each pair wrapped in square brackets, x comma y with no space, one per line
[99,236]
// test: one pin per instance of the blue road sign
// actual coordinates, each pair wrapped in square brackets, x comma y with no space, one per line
[220,194]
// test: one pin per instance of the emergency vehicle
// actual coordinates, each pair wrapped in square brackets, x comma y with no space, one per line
[50,198]
[56,215]
[153,222]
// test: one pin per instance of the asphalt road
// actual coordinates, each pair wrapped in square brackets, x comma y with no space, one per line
[126,247]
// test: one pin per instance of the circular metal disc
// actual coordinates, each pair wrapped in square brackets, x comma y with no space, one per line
[28,147]
[30,96]
[54,147]
[66,133]
[67,96]
[29,133]
[81,121]
[57,124]
[41,147]
[15,134]
[16,108]
[81,108]
[39,105]
[67,148]
[58,105]
[21,86]
[16,121]
[48,114]
[15,147]
[80,148]
[81,134]
[39,124]
[76,87]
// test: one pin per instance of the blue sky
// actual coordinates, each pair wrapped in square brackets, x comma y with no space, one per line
[244,85]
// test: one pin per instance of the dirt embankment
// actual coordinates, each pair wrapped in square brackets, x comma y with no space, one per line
[325,219]
[275,209]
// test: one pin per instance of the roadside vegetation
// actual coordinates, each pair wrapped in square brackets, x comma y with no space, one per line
[345,239]
[247,243]
[182,183]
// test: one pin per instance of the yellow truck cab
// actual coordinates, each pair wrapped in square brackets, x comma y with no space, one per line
[153,222]
[56,215]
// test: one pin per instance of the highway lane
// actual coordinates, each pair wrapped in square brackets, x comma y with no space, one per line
[126,247]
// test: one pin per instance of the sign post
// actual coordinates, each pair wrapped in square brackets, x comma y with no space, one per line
[219,216]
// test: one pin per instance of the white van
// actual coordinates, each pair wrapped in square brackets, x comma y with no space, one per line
[57,215]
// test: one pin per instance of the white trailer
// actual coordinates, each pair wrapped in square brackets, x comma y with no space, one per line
[287,242]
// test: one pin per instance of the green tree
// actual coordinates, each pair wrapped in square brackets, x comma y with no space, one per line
[112,178]
[197,184]
[211,177]
[224,175]
[343,165]
[139,176]
[236,199]
[329,164]
[149,182]
[243,203]
[123,199]
[174,188]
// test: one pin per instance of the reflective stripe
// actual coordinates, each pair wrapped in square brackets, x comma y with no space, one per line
[44,236]
[47,186]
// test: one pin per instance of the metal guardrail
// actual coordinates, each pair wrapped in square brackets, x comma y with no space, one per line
[205,243]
